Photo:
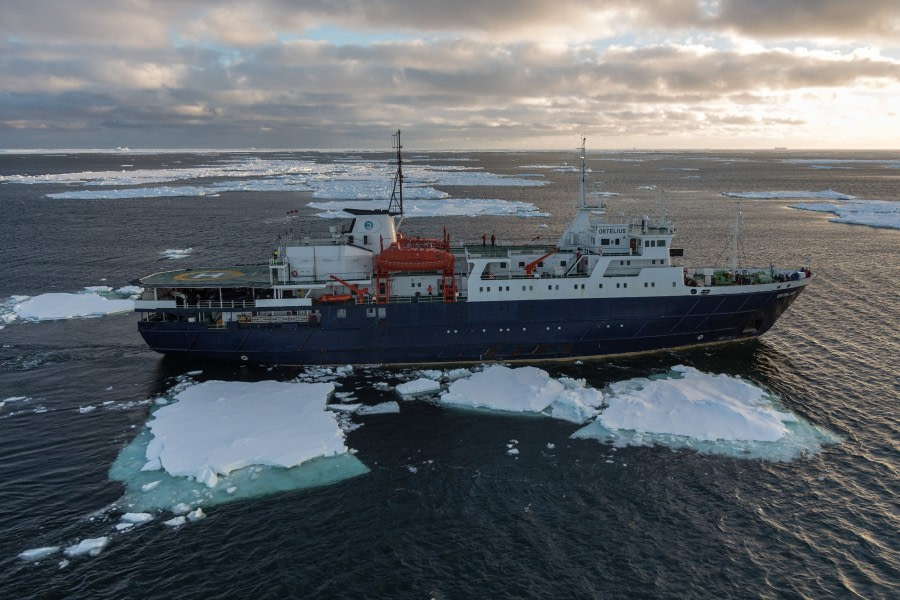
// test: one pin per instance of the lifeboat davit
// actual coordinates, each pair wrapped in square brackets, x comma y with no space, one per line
[395,258]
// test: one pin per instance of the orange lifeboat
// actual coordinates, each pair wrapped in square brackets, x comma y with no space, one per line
[396,258]
[335,298]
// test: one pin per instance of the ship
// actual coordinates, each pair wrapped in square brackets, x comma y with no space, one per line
[366,294]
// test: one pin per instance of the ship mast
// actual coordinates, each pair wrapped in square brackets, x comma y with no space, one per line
[581,193]
[396,205]
[735,237]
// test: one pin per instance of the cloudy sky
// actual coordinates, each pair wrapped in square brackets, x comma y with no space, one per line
[452,74]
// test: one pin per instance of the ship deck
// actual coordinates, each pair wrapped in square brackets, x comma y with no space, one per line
[211,277]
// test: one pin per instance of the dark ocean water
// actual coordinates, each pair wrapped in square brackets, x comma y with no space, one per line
[578,519]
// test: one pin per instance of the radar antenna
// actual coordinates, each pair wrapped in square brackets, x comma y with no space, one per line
[396,205]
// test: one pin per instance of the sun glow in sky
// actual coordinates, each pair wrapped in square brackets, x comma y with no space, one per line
[466,74]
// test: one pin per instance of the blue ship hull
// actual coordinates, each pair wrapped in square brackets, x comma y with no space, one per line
[466,332]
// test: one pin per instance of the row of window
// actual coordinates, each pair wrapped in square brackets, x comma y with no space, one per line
[552,287]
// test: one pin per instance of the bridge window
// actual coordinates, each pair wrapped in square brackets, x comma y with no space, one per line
[604,242]
[661,243]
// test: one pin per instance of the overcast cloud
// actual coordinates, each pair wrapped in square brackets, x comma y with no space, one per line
[461,74]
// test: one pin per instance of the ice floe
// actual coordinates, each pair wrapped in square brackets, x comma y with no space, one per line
[717,414]
[94,301]
[379,409]
[89,547]
[219,441]
[846,163]
[526,390]
[434,208]
[791,195]
[176,253]
[874,213]
[36,554]
[350,178]
[420,386]
[684,408]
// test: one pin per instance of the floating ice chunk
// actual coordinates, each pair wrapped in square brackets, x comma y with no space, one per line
[86,409]
[434,374]
[176,253]
[711,413]
[181,508]
[136,518]
[196,515]
[379,409]
[454,374]
[525,390]
[90,546]
[36,554]
[57,306]
[419,387]
[131,291]
[175,522]
[513,451]
[345,408]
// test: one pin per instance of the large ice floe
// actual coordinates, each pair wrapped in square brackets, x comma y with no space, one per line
[684,408]
[849,209]
[219,441]
[791,194]
[95,301]
[874,213]
[716,414]
[526,390]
